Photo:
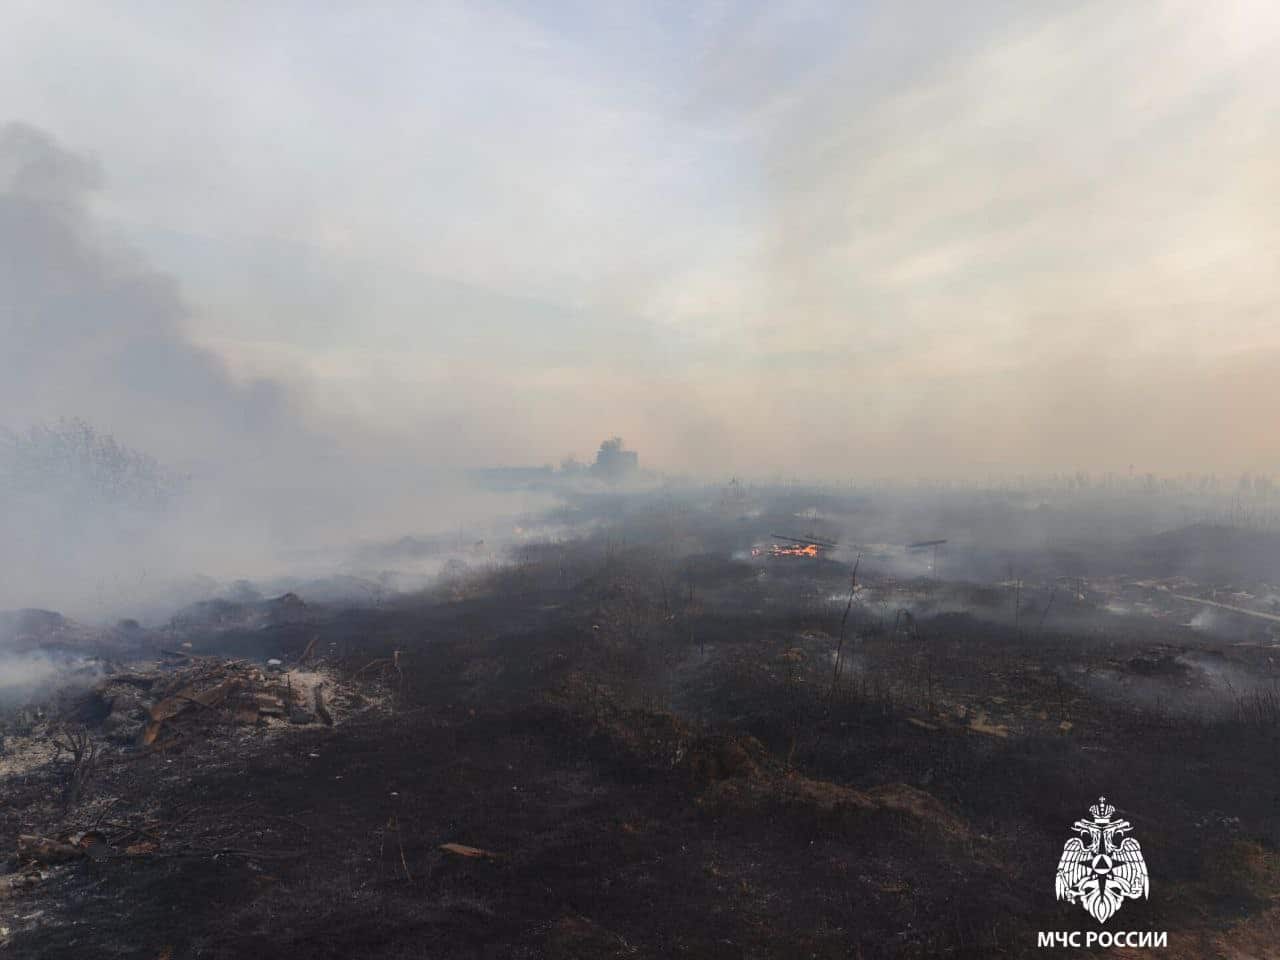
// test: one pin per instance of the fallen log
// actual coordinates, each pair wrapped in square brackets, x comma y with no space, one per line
[475,853]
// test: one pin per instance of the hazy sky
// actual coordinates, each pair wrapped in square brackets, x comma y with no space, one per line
[849,238]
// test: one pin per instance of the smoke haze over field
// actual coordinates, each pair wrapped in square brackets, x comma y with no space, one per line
[321,258]
[1013,237]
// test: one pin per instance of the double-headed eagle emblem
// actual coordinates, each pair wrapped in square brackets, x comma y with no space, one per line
[1098,869]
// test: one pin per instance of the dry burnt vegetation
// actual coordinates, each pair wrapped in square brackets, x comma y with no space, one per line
[632,745]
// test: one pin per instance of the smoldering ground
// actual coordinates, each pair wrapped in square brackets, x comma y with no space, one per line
[32,677]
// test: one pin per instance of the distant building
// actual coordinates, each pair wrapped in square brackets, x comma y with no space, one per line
[614,463]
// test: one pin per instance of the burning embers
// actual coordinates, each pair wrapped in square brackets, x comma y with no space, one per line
[778,550]
[786,548]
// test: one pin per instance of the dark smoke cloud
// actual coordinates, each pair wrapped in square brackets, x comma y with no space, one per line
[90,331]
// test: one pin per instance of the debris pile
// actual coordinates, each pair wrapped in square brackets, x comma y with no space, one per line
[154,708]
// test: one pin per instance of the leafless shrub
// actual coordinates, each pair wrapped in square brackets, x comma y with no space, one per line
[83,758]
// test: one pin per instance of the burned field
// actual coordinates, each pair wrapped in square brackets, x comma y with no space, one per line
[638,742]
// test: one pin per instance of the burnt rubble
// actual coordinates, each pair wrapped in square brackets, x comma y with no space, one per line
[79,752]
[197,696]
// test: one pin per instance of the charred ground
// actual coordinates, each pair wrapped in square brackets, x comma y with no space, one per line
[640,745]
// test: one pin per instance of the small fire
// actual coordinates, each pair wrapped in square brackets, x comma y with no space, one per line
[794,550]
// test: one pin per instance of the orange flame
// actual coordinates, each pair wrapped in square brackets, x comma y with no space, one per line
[794,550]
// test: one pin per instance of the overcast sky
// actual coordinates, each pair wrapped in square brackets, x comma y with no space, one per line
[881,238]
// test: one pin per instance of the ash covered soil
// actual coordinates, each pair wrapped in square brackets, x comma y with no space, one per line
[597,752]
